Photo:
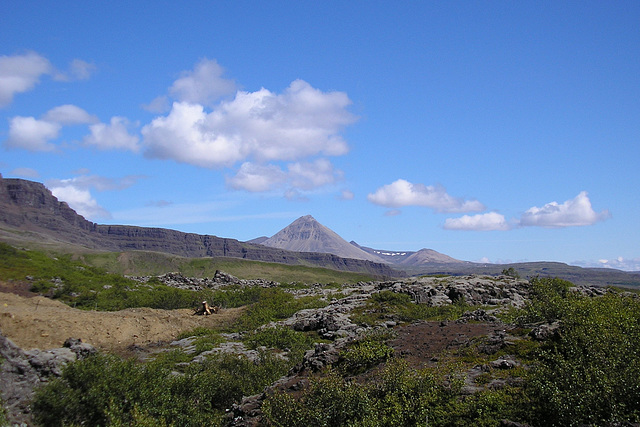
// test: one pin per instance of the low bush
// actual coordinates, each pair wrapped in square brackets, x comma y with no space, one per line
[106,390]
[282,338]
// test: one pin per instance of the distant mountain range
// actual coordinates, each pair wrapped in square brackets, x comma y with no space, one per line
[307,235]
[30,213]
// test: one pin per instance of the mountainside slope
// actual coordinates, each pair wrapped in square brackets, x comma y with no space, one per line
[411,258]
[307,235]
[29,211]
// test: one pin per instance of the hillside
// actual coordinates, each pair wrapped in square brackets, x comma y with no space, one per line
[29,212]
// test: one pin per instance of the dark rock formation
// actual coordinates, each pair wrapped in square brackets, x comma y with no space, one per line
[21,372]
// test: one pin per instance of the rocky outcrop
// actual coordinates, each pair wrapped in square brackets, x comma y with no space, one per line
[23,371]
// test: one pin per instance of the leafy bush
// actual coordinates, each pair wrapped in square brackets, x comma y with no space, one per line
[397,396]
[549,298]
[282,338]
[365,354]
[591,373]
[105,390]
[274,304]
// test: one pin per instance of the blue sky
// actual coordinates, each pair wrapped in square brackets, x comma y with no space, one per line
[488,131]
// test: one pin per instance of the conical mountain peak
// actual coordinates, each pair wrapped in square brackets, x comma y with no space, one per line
[306,234]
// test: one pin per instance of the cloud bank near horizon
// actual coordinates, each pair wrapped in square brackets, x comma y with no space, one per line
[575,212]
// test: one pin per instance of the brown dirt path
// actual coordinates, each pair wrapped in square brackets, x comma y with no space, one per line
[39,322]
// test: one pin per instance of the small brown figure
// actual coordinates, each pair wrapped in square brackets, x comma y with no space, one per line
[206,309]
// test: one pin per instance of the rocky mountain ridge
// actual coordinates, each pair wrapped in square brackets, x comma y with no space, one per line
[29,211]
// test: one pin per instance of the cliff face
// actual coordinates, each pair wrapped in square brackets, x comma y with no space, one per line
[30,206]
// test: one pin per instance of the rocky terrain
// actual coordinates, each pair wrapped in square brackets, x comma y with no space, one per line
[43,327]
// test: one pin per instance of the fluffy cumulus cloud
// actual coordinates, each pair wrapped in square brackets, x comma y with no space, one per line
[203,85]
[69,115]
[263,126]
[311,175]
[257,178]
[402,193]
[81,201]
[76,192]
[480,222]
[574,212]
[183,136]
[32,134]
[20,73]
[114,135]
[299,176]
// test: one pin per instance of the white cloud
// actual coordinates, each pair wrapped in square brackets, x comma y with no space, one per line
[81,70]
[114,135]
[20,73]
[403,193]
[99,183]
[311,175]
[263,126]
[481,222]
[257,178]
[76,192]
[183,137]
[69,115]
[618,263]
[81,201]
[203,85]
[347,195]
[303,176]
[574,212]
[32,134]
[158,105]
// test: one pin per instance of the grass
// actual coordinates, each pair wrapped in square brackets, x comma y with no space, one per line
[139,263]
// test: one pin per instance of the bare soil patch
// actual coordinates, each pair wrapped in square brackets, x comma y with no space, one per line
[39,322]
[422,342]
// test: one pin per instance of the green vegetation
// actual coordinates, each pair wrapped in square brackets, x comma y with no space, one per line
[588,374]
[399,396]
[105,390]
[281,338]
[511,272]
[388,305]
[141,263]
[87,287]
[365,353]
[274,304]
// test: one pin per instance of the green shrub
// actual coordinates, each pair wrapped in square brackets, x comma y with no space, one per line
[591,373]
[549,299]
[274,304]
[282,338]
[105,390]
[365,354]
